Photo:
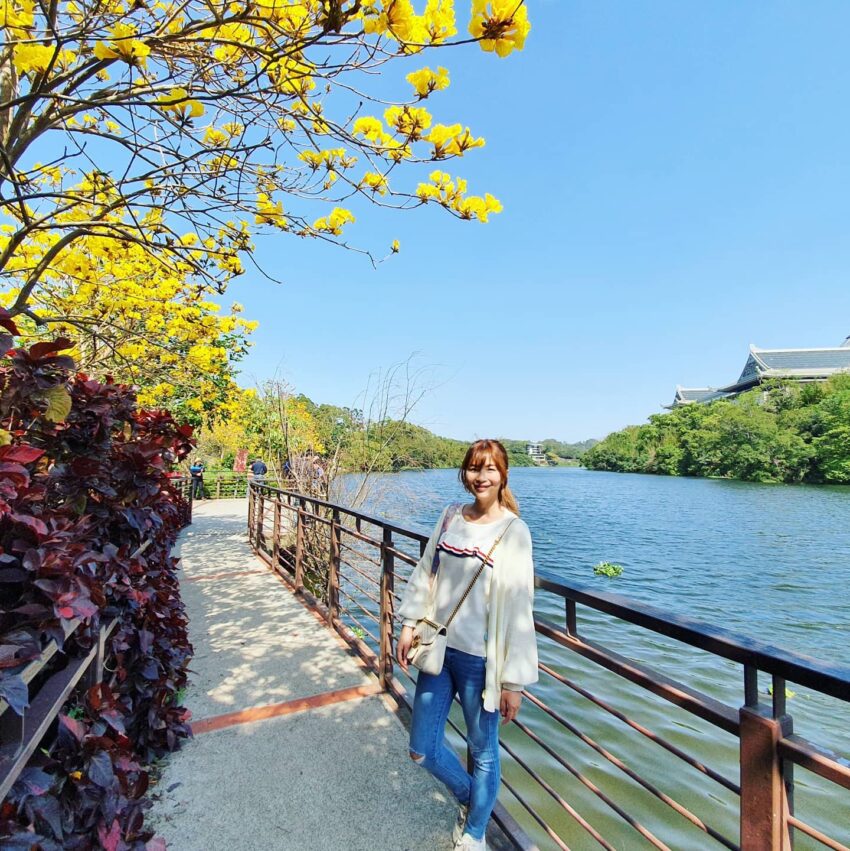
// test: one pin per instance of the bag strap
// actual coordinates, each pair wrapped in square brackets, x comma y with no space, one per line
[478,573]
[447,518]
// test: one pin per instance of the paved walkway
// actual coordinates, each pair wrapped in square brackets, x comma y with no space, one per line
[294,750]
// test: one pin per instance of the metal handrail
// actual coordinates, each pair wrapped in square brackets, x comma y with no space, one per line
[830,678]
[768,747]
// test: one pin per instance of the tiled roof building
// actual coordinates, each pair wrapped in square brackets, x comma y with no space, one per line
[764,364]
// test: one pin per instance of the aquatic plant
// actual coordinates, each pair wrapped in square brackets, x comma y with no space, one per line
[607,568]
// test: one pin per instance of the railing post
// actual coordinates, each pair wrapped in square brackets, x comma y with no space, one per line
[333,569]
[218,487]
[251,518]
[96,670]
[572,619]
[259,502]
[387,586]
[764,797]
[276,533]
[299,548]
[189,496]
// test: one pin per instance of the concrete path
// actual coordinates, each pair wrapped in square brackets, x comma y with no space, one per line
[294,750]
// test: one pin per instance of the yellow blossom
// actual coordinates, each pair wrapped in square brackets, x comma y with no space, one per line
[500,25]
[426,81]
[376,182]
[409,121]
[17,16]
[32,57]
[439,20]
[215,138]
[269,212]
[369,127]
[451,194]
[179,102]
[462,142]
[334,222]
[123,46]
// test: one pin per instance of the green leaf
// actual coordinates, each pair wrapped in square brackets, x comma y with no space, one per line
[58,404]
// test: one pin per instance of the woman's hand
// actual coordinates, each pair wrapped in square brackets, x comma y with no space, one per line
[509,704]
[404,641]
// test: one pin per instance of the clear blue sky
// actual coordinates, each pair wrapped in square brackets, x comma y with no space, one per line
[676,182]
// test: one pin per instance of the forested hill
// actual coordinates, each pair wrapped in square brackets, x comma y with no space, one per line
[276,425]
[780,433]
[414,447]
[402,445]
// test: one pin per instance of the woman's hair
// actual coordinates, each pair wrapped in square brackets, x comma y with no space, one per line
[477,455]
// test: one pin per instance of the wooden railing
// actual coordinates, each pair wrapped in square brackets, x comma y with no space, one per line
[20,735]
[225,484]
[182,484]
[52,681]
[643,789]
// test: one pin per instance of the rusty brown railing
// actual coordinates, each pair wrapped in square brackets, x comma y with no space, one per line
[20,735]
[224,484]
[181,483]
[721,775]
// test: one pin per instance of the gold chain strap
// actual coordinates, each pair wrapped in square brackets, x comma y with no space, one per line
[480,569]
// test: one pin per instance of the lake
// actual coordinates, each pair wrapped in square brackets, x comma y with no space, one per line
[769,561]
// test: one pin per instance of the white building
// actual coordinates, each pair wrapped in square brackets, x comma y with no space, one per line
[536,451]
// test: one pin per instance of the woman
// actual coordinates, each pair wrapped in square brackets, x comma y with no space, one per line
[491,647]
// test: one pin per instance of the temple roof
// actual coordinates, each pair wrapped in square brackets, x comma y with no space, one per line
[687,395]
[802,364]
[792,363]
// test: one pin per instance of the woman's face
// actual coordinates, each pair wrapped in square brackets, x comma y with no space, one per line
[484,479]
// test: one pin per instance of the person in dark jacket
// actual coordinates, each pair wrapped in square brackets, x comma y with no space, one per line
[197,473]
[258,471]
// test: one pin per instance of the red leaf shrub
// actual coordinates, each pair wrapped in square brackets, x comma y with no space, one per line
[87,522]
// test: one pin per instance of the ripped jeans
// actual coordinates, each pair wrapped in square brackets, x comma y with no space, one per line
[462,674]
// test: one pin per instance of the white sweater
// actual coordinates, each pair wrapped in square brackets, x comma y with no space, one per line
[497,616]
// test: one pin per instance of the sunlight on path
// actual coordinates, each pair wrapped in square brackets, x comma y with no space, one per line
[293,749]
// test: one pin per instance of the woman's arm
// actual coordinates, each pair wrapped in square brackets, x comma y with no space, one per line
[417,594]
[520,664]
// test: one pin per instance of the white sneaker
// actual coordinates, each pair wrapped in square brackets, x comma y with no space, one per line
[460,824]
[470,843]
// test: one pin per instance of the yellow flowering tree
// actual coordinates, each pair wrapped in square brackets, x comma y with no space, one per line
[173,131]
[145,322]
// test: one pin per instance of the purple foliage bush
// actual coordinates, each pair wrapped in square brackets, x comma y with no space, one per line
[87,522]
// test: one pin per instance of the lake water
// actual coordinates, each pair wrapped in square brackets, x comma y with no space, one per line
[771,562]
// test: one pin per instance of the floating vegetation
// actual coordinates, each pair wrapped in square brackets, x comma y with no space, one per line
[607,568]
[789,693]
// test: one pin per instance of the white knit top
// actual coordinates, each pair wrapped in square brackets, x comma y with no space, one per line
[496,620]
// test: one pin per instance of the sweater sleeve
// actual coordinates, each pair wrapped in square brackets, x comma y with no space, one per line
[520,665]
[415,600]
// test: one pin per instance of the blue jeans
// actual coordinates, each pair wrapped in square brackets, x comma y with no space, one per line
[462,674]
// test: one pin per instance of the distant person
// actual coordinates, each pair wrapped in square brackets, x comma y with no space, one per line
[287,470]
[258,471]
[476,580]
[197,473]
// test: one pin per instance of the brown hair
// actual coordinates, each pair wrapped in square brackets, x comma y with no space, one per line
[476,455]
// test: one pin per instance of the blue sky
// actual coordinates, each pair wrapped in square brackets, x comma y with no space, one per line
[675,178]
